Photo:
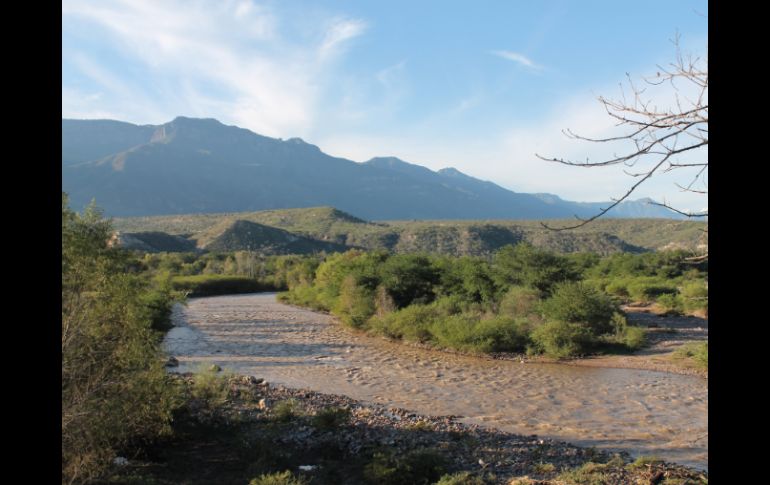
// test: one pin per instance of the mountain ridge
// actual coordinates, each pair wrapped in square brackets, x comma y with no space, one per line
[191,165]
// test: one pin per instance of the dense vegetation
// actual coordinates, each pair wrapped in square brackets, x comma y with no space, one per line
[118,399]
[327,225]
[521,300]
[115,390]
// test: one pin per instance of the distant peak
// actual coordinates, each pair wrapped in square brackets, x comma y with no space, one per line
[188,120]
[451,171]
[390,161]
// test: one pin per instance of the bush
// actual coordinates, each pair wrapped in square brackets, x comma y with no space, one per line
[562,339]
[355,304]
[695,295]
[114,387]
[278,478]
[520,302]
[467,332]
[698,352]
[461,478]
[286,410]
[421,466]
[207,285]
[671,304]
[579,303]
[410,323]
[331,418]
[210,386]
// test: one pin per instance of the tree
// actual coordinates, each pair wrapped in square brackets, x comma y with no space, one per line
[661,139]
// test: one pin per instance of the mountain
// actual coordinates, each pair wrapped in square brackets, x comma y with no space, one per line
[192,165]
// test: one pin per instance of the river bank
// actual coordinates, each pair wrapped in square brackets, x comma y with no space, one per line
[264,428]
[640,412]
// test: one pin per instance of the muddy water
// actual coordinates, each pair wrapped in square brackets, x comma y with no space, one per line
[642,412]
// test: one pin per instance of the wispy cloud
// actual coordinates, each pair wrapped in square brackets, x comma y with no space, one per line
[518,58]
[234,51]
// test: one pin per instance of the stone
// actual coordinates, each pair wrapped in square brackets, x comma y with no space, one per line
[263,404]
[172,362]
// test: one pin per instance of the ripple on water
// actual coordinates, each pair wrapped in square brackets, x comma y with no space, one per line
[641,412]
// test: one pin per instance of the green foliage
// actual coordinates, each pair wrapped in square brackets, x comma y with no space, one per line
[697,352]
[109,349]
[525,265]
[207,285]
[589,473]
[331,418]
[520,302]
[461,478]
[409,279]
[469,333]
[286,410]
[560,339]
[421,466]
[671,304]
[210,387]
[581,304]
[279,478]
[410,323]
[695,295]
[355,303]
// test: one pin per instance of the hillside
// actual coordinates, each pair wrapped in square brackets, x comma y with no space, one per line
[332,226]
[191,165]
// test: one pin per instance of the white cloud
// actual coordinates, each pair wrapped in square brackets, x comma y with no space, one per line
[518,58]
[231,50]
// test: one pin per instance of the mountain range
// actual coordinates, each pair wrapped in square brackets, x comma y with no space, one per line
[193,165]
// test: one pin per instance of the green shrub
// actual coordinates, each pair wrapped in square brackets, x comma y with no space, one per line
[410,323]
[520,302]
[331,418]
[579,303]
[210,386]
[279,478]
[355,304]
[286,411]
[670,303]
[214,284]
[649,289]
[421,466]
[698,352]
[695,295]
[562,339]
[467,332]
[634,338]
[461,478]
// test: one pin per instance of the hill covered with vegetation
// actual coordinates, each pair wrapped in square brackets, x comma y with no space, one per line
[329,229]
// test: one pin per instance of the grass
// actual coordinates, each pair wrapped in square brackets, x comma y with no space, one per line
[279,478]
[694,352]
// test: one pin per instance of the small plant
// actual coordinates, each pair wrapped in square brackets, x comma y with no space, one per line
[461,478]
[643,461]
[697,352]
[286,410]
[421,466]
[279,478]
[331,418]
[544,468]
[210,386]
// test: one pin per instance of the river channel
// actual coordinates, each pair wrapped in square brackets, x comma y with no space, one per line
[638,411]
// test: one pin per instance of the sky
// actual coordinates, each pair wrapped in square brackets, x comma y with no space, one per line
[479,86]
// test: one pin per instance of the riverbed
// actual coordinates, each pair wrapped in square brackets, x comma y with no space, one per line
[638,411]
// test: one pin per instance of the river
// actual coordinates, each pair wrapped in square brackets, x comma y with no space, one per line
[638,411]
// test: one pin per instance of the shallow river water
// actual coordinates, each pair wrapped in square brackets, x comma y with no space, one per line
[642,412]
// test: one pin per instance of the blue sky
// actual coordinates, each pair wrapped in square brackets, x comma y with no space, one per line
[480,86]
